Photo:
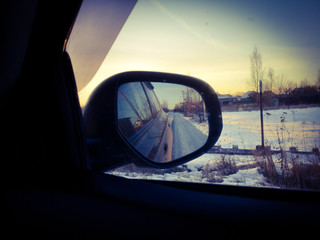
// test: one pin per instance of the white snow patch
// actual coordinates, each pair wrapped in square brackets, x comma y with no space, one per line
[247,177]
[295,127]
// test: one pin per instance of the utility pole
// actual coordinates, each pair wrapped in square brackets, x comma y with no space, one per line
[261,115]
[204,111]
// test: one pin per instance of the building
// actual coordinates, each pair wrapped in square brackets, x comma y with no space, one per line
[248,97]
[226,99]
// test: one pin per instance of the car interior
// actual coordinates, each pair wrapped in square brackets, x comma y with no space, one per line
[51,187]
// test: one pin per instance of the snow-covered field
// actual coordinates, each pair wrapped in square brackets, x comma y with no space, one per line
[284,128]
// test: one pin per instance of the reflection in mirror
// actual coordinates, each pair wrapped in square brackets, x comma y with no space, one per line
[162,121]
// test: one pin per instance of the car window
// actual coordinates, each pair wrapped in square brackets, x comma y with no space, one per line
[143,123]
[232,45]
[128,118]
[153,100]
[135,95]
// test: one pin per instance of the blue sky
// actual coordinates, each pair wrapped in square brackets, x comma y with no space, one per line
[212,40]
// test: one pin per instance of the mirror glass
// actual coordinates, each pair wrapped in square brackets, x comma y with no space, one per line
[162,121]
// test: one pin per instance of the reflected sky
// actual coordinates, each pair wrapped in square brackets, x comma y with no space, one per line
[212,40]
[171,93]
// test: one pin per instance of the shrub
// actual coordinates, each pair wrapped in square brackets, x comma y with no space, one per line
[293,170]
[302,174]
[227,165]
[267,167]
[214,172]
[210,173]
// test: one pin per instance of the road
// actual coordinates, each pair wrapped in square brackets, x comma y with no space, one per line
[186,137]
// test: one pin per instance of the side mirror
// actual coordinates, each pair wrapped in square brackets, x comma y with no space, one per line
[152,119]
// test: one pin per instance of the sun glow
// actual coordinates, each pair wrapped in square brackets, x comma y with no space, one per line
[211,41]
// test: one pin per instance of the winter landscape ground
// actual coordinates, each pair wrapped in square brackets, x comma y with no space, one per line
[284,128]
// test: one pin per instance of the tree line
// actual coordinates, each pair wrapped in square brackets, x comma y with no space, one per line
[192,105]
[279,86]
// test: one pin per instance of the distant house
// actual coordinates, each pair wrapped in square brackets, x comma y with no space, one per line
[297,91]
[248,97]
[303,95]
[275,101]
[269,98]
[227,99]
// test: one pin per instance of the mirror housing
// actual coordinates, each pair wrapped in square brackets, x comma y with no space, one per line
[109,148]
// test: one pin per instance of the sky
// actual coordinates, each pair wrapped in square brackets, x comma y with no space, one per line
[212,40]
[169,93]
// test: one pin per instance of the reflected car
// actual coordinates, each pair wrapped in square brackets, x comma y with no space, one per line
[143,122]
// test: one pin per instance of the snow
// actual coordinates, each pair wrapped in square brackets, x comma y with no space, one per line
[194,171]
[284,128]
[247,177]
[187,138]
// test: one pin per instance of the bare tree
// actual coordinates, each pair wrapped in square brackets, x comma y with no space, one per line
[289,87]
[281,83]
[165,104]
[193,104]
[186,101]
[256,69]
[269,83]
[304,83]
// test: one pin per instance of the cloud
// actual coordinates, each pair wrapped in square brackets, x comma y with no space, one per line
[214,43]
